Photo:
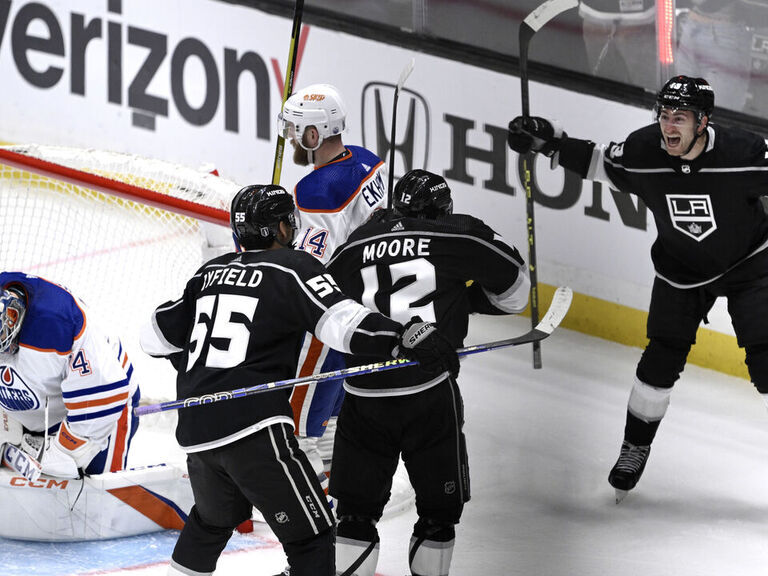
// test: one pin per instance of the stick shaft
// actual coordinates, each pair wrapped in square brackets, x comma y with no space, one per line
[561,302]
[290,73]
[390,183]
[528,27]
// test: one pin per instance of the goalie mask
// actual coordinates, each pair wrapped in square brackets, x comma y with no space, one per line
[422,194]
[12,312]
[319,105]
[256,214]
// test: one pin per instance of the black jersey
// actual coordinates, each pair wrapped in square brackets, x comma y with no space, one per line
[708,212]
[240,323]
[406,267]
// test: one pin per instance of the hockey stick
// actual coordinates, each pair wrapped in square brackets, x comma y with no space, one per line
[561,302]
[290,71]
[403,77]
[528,27]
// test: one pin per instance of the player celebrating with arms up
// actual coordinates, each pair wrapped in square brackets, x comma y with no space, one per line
[703,184]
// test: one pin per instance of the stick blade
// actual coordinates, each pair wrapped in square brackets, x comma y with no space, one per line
[546,11]
[561,303]
[405,73]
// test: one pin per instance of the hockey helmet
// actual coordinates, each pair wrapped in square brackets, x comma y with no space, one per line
[256,213]
[318,105]
[13,308]
[686,93]
[422,194]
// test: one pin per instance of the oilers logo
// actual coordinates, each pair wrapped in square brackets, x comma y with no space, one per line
[15,395]
[692,215]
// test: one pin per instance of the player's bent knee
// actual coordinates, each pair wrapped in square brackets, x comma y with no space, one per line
[200,544]
[662,362]
[431,548]
[312,556]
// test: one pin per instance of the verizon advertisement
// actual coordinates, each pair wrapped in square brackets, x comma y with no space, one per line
[200,82]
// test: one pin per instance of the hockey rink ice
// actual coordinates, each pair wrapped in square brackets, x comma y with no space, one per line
[541,443]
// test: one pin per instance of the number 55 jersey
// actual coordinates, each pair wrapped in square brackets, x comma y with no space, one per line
[239,323]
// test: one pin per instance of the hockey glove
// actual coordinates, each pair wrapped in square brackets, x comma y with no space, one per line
[421,341]
[53,461]
[535,134]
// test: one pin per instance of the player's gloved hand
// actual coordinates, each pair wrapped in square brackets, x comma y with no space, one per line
[535,134]
[53,460]
[421,341]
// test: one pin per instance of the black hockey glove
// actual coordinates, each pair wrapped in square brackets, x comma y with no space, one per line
[422,342]
[535,134]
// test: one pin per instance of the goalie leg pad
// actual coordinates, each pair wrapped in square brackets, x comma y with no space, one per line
[431,548]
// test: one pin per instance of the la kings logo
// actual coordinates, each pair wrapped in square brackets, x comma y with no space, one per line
[692,215]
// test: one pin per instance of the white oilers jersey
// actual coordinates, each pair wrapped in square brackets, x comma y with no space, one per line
[65,363]
[338,197]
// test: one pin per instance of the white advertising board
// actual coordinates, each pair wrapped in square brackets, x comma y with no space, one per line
[198,81]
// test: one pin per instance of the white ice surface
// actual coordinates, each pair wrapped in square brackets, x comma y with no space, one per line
[541,443]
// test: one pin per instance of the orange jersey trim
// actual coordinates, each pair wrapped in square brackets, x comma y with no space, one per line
[100,402]
[118,442]
[352,197]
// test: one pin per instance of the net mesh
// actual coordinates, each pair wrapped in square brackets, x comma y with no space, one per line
[121,257]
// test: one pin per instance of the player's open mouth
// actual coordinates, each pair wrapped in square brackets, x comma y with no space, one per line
[673,141]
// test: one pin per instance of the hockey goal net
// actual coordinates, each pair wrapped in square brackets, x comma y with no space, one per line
[122,232]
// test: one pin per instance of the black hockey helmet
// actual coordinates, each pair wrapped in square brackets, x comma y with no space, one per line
[422,194]
[687,93]
[256,213]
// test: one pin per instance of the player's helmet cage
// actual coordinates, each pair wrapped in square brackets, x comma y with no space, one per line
[422,194]
[13,308]
[318,105]
[686,93]
[256,213]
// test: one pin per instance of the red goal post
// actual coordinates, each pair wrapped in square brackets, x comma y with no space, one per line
[122,232]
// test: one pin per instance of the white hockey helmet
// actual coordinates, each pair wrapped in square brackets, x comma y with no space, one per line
[318,105]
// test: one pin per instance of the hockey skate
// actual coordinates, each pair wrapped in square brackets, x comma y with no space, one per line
[626,473]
